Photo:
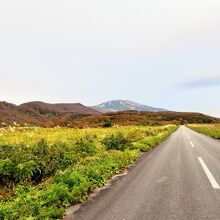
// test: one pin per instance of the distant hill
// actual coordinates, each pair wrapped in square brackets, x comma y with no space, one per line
[10,113]
[60,108]
[125,105]
[43,114]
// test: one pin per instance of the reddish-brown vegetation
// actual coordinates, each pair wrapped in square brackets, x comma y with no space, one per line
[42,114]
[144,118]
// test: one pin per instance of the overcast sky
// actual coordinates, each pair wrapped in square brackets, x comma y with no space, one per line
[164,53]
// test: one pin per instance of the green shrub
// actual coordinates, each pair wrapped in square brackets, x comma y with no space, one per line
[70,178]
[107,124]
[56,193]
[86,147]
[6,171]
[142,146]
[117,141]
[94,176]
[26,170]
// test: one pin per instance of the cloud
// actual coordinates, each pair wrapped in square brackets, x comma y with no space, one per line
[213,81]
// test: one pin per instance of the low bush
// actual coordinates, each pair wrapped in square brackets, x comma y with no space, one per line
[86,147]
[107,124]
[116,141]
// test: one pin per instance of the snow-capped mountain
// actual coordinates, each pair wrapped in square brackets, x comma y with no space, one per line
[123,105]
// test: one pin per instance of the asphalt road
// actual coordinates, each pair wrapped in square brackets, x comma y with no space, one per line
[177,180]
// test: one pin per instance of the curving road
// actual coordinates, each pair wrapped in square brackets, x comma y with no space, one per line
[177,180]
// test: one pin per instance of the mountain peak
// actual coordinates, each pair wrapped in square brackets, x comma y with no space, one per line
[124,105]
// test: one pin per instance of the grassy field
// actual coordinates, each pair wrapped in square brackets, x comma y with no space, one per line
[212,130]
[43,171]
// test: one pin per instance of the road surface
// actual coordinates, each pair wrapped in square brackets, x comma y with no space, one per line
[177,180]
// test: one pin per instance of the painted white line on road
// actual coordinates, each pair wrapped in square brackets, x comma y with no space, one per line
[208,174]
[191,143]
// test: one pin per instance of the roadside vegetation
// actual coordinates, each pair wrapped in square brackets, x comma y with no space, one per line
[43,171]
[212,130]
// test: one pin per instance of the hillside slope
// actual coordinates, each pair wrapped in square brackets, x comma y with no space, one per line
[60,108]
[10,113]
[144,118]
[43,114]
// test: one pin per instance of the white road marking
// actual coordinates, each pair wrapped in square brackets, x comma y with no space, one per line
[208,174]
[191,143]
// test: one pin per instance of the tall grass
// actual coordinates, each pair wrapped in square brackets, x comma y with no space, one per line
[210,130]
